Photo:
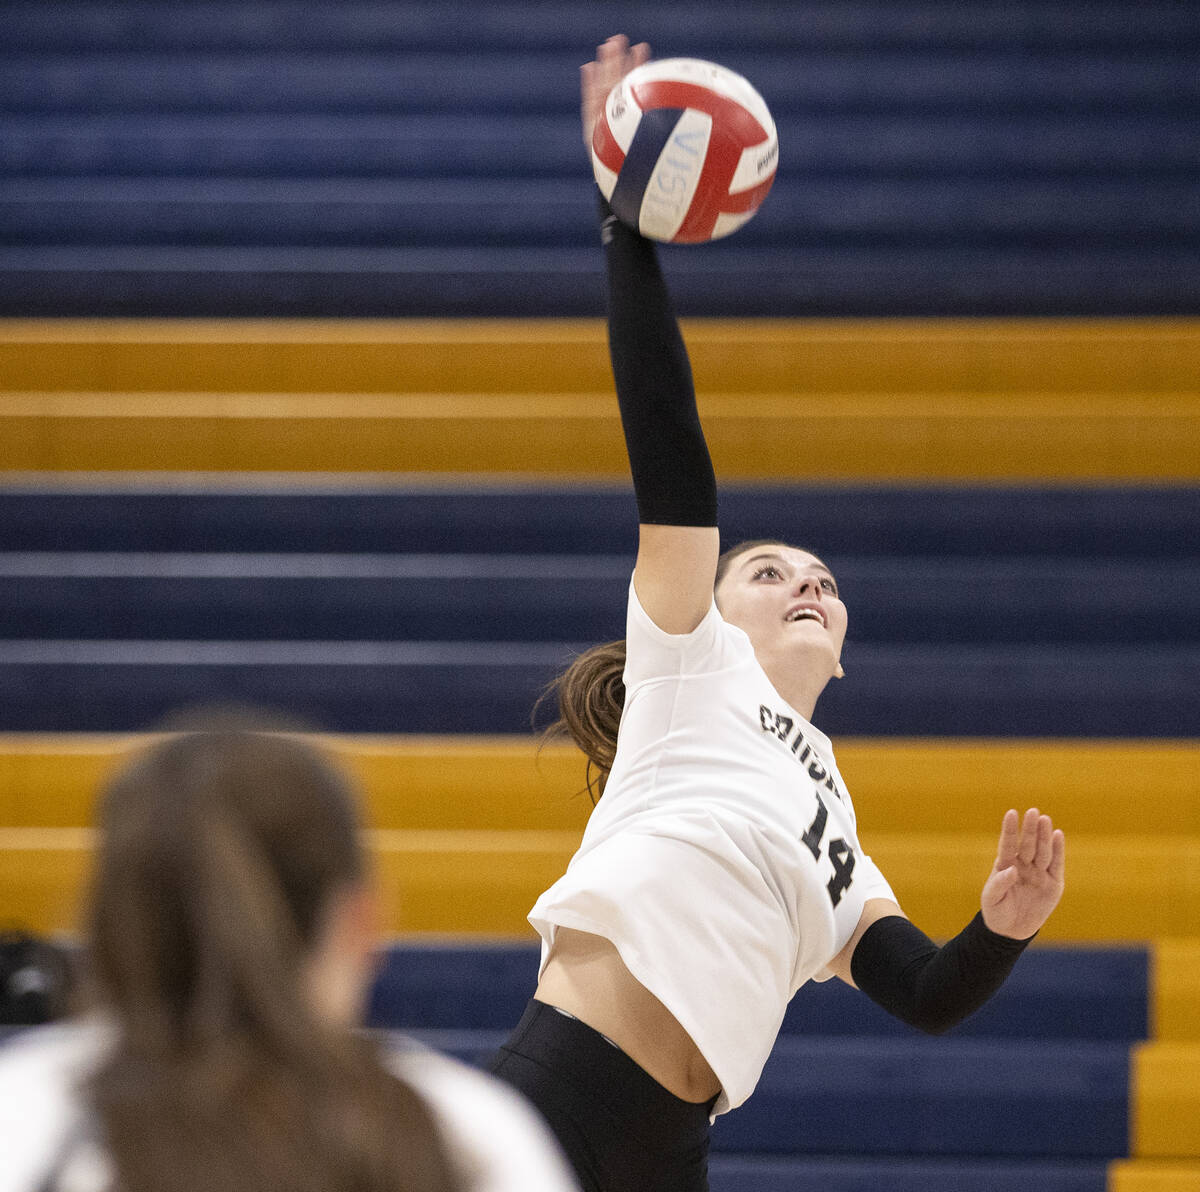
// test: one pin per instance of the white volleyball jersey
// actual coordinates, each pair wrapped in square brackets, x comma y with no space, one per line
[722,861]
[496,1142]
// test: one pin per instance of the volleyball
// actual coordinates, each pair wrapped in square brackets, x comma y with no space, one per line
[684,150]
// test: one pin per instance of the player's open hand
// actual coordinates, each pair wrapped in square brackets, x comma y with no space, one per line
[1026,881]
[614,60]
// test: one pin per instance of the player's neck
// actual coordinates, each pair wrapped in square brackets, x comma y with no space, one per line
[799,680]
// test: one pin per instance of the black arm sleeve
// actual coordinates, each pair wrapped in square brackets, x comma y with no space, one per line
[672,473]
[901,969]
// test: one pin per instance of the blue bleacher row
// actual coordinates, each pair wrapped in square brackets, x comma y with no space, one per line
[898,1173]
[1021,601]
[1150,146]
[479,515]
[928,1097]
[926,80]
[725,280]
[1058,214]
[473,687]
[1033,1090]
[703,25]
[435,609]
[1088,995]
[846,1078]
[989,160]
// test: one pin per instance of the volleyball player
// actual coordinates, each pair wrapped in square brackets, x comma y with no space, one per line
[231,946]
[721,868]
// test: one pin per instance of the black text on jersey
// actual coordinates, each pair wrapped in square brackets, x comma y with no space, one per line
[784,727]
[841,855]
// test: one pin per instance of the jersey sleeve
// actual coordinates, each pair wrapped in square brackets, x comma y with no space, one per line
[652,653]
[869,883]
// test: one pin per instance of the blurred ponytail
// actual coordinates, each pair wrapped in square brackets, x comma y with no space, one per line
[591,696]
[221,853]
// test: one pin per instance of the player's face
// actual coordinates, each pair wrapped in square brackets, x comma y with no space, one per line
[786,601]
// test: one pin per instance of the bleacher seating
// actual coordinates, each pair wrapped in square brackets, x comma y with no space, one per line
[446,640]
[1027,641]
[399,527]
[244,159]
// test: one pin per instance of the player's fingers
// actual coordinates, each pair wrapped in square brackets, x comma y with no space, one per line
[1027,848]
[1058,856]
[1045,831]
[1002,881]
[1006,850]
[611,58]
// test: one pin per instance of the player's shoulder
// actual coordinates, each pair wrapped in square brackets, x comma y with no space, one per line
[714,644]
[41,1071]
[56,1051]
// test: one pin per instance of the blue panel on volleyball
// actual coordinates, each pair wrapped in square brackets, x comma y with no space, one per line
[653,133]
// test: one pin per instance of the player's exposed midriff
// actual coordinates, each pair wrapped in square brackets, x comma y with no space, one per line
[585,976]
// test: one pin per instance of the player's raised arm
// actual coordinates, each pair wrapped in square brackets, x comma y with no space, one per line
[678,541]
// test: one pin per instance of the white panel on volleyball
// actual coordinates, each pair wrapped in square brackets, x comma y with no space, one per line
[606,179]
[672,186]
[623,114]
[756,164]
[730,221]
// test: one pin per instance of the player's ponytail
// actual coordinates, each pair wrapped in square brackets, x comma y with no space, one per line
[222,853]
[591,697]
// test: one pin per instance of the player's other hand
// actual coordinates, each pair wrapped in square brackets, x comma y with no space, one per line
[614,60]
[1026,881]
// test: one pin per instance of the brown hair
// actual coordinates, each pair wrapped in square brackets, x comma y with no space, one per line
[591,693]
[221,851]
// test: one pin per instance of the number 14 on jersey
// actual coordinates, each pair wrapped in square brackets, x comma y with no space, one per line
[841,855]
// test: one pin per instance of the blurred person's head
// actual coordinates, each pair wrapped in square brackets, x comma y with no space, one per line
[231,943]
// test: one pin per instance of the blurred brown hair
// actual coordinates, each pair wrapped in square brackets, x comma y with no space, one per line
[221,852]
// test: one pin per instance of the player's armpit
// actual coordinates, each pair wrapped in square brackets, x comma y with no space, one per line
[873,910]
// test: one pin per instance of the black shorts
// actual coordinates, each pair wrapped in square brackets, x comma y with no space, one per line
[621,1130]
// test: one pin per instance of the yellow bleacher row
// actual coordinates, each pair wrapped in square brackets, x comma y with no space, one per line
[899,785]
[1139,1175]
[467,831]
[821,400]
[571,355]
[483,883]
